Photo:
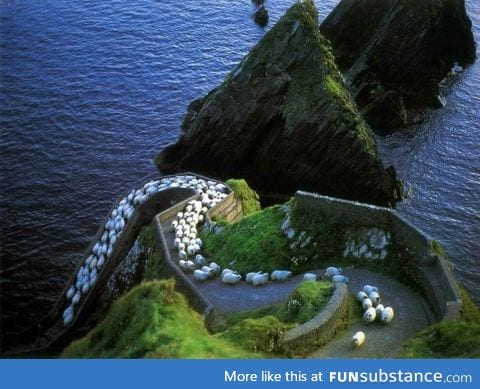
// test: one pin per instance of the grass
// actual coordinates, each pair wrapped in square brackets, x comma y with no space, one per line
[257,243]
[154,258]
[262,329]
[248,197]
[153,321]
[305,302]
[449,339]
[471,312]
[256,334]
[254,243]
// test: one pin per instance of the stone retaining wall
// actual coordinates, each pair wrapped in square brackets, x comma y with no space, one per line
[195,297]
[321,329]
[431,269]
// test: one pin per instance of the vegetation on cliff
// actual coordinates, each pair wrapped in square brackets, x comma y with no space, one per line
[254,243]
[259,243]
[246,195]
[263,329]
[153,321]
[449,339]
[284,119]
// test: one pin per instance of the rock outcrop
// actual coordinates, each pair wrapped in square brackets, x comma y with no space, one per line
[284,120]
[394,53]
[261,16]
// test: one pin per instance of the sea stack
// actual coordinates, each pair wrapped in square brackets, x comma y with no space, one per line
[284,120]
[261,16]
[394,53]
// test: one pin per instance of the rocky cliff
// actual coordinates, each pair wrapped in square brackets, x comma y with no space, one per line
[394,53]
[284,120]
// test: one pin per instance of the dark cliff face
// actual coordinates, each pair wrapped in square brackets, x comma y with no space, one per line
[394,53]
[283,119]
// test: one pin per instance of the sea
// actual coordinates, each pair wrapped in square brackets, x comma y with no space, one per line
[90,91]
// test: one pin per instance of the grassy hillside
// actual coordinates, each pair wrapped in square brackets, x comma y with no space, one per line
[153,321]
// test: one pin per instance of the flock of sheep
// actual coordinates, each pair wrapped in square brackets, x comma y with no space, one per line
[189,245]
[211,194]
[370,299]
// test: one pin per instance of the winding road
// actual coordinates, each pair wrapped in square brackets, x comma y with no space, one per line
[412,314]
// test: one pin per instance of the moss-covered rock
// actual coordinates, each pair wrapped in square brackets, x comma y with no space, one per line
[284,120]
[247,196]
[152,321]
[256,334]
[306,301]
[395,52]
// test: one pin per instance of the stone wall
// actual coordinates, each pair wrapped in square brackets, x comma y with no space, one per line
[313,334]
[182,283]
[431,269]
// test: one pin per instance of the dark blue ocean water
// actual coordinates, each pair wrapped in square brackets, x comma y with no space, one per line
[92,90]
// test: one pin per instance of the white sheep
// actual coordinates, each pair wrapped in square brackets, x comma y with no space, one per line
[71,292]
[86,287]
[76,297]
[281,275]
[200,260]
[183,264]
[387,315]
[93,280]
[358,339]
[200,275]
[379,309]
[191,249]
[361,296]
[231,278]
[260,279]
[182,254]
[339,279]
[367,303]
[176,242]
[250,276]
[68,316]
[215,268]
[369,315]
[375,297]
[332,271]
[207,269]
[100,262]
[225,271]
[190,265]
[369,289]
[309,277]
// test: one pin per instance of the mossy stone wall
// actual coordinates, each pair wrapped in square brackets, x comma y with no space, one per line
[309,336]
[431,269]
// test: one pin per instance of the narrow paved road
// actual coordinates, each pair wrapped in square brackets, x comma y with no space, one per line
[412,313]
